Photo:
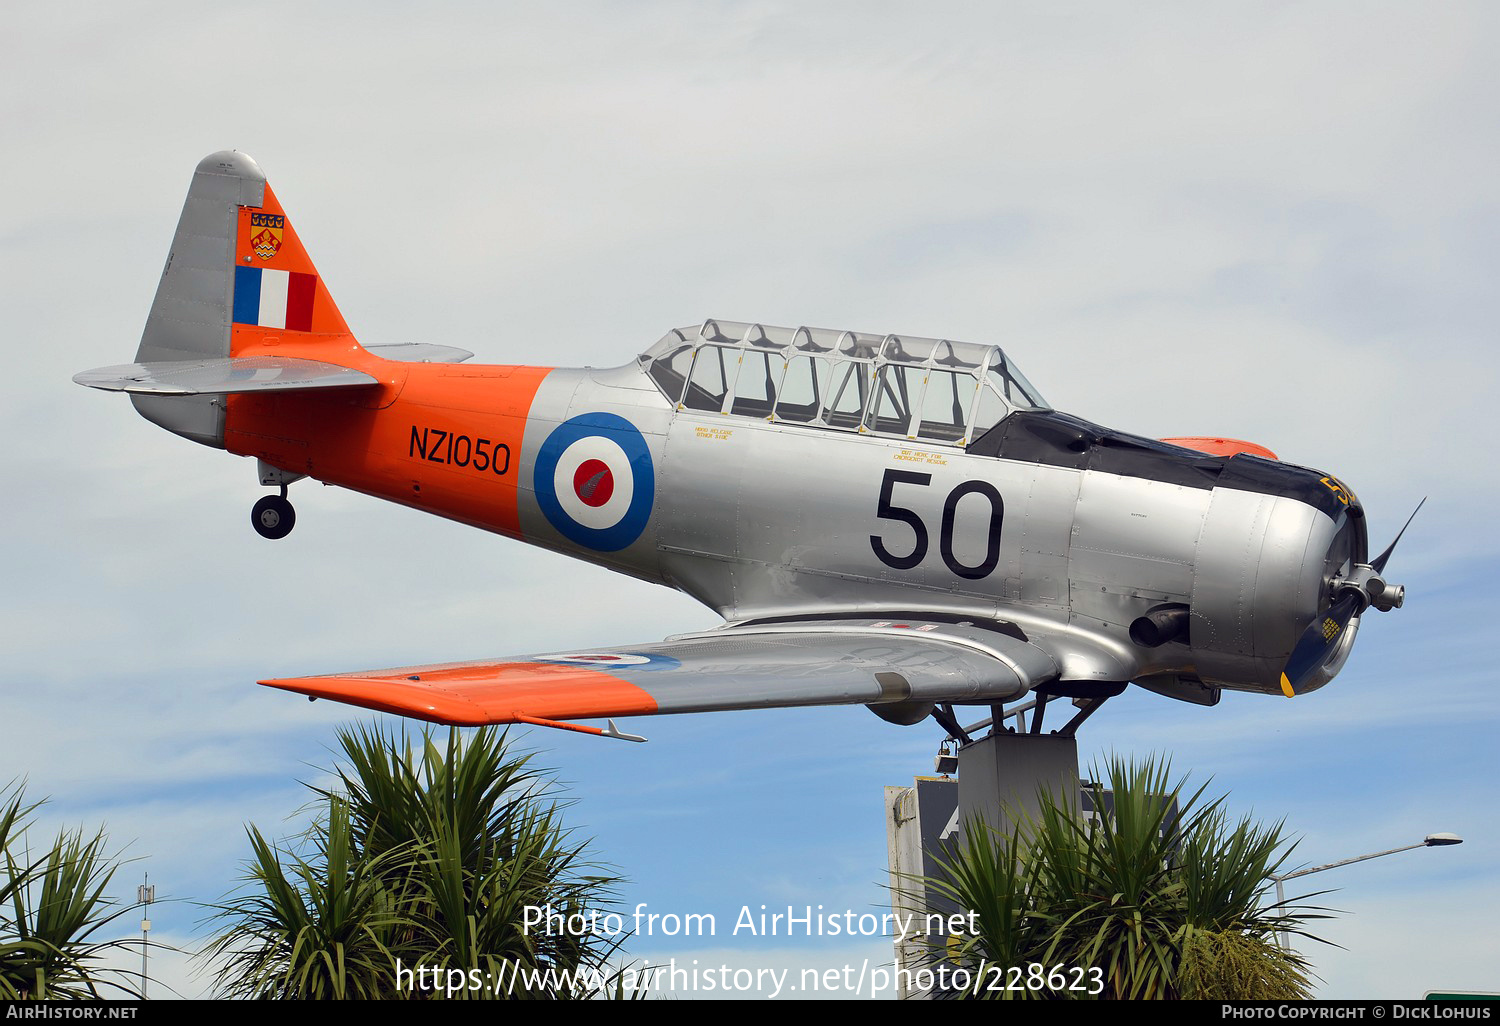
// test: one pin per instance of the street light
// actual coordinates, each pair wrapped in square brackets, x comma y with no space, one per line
[1430,841]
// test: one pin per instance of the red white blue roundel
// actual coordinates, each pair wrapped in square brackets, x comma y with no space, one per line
[594,481]
[614,660]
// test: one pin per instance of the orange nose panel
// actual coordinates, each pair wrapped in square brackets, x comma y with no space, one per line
[1223,446]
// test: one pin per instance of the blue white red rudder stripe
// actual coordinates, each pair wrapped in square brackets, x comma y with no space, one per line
[269,298]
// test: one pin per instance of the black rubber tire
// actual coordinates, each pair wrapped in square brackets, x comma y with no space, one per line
[273,517]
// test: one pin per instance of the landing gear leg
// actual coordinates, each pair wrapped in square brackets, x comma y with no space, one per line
[273,517]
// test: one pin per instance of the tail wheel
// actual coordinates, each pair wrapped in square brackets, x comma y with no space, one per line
[273,517]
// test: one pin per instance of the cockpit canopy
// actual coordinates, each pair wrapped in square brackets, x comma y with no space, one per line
[927,389]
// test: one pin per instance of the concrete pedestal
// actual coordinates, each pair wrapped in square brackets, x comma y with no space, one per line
[999,777]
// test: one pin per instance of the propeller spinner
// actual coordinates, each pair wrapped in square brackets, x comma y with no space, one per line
[1332,630]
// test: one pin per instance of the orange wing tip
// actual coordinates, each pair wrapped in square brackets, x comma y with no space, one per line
[1223,446]
[383,696]
[473,694]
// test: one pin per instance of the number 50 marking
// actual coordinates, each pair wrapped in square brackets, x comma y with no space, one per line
[885,509]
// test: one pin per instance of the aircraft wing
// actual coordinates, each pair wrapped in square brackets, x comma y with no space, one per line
[764,665]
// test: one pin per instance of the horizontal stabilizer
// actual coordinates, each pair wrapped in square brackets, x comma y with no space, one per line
[222,376]
[419,352]
[847,662]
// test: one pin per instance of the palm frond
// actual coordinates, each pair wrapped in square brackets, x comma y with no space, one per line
[421,867]
[52,909]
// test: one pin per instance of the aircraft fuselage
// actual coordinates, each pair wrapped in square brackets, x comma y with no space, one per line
[764,520]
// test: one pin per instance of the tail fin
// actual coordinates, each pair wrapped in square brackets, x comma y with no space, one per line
[237,277]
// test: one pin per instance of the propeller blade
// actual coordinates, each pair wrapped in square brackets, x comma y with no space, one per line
[1322,635]
[1378,563]
[1312,649]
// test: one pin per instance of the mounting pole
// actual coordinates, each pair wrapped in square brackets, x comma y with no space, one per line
[145,894]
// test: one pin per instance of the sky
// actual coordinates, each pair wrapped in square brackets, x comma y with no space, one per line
[1273,222]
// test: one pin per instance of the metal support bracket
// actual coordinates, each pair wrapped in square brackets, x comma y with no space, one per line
[273,477]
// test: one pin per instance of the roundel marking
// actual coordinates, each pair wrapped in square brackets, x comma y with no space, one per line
[614,660]
[595,482]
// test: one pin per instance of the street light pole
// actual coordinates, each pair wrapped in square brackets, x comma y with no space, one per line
[1430,841]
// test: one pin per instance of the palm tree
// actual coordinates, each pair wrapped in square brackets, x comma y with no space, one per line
[1228,935]
[320,927]
[415,882]
[1150,905]
[52,907]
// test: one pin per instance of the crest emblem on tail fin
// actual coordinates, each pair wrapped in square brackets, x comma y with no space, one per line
[266,233]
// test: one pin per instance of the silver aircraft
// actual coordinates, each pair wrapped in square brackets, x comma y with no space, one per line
[884,520]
